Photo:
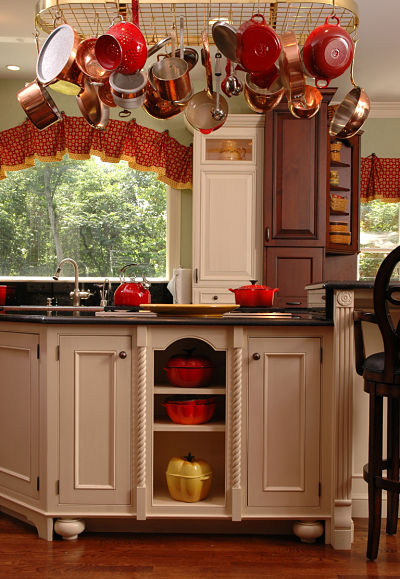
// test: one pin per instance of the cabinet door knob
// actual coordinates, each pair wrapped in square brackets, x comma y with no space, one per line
[123,355]
[215,298]
[256,356]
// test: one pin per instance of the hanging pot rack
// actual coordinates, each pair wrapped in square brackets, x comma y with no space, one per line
[95,17]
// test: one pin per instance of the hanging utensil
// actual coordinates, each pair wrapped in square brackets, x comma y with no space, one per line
[353,111]
[92,108]
[38,105]
[198,112]
[258,45]
[217,113]
[290,68]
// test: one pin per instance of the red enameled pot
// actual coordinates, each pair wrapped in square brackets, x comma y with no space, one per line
[327,52]
[132,293]
[254,295]
[258,46]
[191,411]
[188,371]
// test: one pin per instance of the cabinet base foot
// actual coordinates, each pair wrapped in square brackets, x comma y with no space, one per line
[69,529]
[308,531]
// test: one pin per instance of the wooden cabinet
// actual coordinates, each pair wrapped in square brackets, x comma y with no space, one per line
[19,414]
[95,420]
[284,430]
[227,209]
[343,221]
[290,269]
[295,180]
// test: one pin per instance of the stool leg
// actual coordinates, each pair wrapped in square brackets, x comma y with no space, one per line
[374,470]
[393,468]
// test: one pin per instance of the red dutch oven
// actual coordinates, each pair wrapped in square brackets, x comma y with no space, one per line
[327,52]
[131,293]
[258,46]
[188,371]
[254,295]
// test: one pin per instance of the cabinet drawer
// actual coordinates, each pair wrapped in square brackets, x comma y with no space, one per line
[213,296]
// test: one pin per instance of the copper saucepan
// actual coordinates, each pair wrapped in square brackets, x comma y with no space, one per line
[291,68]
[311,105]
[38,105]
[157,107]
[352,112]
[200,108]
[92,108]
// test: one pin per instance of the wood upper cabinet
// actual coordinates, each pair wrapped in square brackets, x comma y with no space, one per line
[19,413]
[95,420]
[295,177]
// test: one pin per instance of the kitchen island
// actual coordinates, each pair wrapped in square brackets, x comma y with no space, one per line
[86,438]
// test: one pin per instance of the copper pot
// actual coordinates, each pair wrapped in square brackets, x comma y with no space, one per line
[291,70]
[157,107]
[88,63]
[56,60]
[92,108]
[309,108]
[38,105]
[170,78]
[261,100]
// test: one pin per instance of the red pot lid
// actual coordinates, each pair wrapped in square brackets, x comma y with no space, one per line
[189,361]
[254,286]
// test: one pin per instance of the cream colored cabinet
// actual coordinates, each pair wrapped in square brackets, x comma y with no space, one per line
[284,433]
[227,209]
[19,414]
[95,420]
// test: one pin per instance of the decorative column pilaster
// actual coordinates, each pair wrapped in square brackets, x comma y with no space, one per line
[343,366]
[236,428]
[141,426]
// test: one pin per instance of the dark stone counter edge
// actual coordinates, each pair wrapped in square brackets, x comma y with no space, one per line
[341,285]
[164,320]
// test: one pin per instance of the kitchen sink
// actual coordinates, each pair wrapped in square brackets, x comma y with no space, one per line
[50,310]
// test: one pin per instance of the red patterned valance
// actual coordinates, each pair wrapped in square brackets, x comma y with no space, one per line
[380,179]
[143,148]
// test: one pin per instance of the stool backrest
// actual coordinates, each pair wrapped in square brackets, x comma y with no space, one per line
[384,296]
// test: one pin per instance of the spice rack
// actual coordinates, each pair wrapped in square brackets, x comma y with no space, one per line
[343,196]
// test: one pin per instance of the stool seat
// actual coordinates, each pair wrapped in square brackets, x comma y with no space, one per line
[381,374]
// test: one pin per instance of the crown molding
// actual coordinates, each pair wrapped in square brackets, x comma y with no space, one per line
[388,110]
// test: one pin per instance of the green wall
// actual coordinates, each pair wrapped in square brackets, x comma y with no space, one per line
[381,136]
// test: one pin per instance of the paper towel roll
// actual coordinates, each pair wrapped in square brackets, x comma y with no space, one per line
[180,286]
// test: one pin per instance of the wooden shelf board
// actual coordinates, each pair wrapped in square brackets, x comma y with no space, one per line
[338,188]
[166,425]
[161,498]
[177,390]
[339,164]
[333,212]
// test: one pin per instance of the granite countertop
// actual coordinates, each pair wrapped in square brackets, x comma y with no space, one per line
[350,284]
[305,317]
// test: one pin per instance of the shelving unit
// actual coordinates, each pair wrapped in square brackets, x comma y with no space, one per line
[342,226]
[205,441]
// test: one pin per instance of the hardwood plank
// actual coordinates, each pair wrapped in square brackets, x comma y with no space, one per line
[173,556]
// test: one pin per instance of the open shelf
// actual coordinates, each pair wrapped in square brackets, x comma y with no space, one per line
[333,212]
[168,389]
[339,164]
[166,425]
[338,188]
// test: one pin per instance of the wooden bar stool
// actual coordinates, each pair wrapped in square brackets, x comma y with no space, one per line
[381,373]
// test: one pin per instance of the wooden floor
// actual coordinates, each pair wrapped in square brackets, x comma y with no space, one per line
[139,556]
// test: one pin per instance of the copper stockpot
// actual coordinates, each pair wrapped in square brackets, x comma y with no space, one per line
[157,107]
[38,105]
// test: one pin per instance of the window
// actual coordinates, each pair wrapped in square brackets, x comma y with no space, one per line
[379,234]
[103,215]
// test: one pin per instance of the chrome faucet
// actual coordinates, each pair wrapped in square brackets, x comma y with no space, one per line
[77,294]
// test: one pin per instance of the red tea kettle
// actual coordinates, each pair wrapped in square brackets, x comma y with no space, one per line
[132,293]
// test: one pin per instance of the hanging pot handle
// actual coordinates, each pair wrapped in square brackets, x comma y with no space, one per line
[207,62]
[135,12]
[352,64]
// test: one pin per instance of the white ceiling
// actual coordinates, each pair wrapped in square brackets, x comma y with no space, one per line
[377,67]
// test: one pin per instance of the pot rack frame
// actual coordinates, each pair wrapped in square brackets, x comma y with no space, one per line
[90,19]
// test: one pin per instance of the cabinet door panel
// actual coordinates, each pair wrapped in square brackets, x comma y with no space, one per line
[19,412]
[290,269]
[284,411]
[227,225]
[95,386]
[295,178]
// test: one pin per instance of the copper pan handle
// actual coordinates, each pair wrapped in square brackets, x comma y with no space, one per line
[352,64]
[207,62]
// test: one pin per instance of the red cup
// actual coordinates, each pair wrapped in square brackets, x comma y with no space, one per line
[3,292]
